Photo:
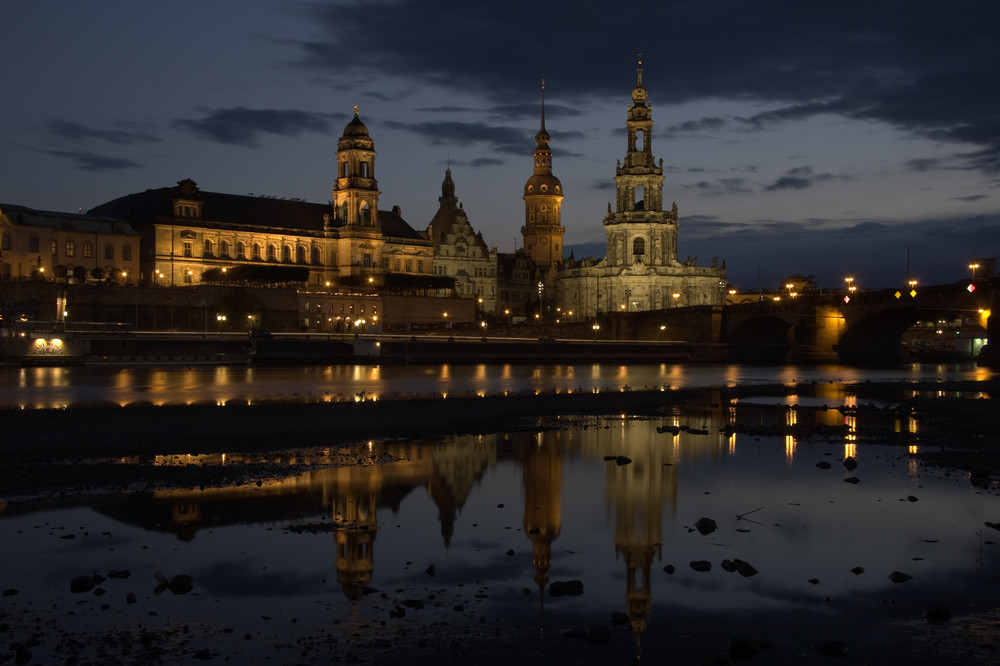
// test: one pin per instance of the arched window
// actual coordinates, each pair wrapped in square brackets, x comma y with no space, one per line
[241,250]
[255,253]
[365,218]
[342,212]
[208,247]
[639,247]
[315,257]
[300,255]
[224,249]
[286,254]
[272,252]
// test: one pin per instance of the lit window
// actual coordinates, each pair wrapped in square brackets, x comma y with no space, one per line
[70,248]
[187,248]
[88,250]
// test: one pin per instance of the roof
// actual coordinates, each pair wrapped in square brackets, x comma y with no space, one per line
[91,223]
[235,210]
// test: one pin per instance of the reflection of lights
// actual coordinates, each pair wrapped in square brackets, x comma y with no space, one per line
[789,449]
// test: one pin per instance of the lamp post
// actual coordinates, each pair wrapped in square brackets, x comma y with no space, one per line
[973,266]
[220,319]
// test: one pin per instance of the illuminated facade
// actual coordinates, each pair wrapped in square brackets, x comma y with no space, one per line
[543,195]
[186,231]
[461,253]
[640,270]
[37,244]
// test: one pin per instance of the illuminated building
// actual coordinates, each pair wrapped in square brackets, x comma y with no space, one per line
[640,270]
[186,231]
[42,245]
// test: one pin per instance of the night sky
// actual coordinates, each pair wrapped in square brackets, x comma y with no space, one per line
[816,138]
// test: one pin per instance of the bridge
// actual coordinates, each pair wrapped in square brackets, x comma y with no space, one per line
[862,327]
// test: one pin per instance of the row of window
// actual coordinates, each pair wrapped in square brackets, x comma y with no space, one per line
[302,255]
[69,247]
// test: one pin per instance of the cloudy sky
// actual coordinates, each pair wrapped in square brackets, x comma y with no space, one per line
[819,138]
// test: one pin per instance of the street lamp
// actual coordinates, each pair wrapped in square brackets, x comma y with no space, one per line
[483,324]
[973,266]
[220,319]
[596,327]
[850,284]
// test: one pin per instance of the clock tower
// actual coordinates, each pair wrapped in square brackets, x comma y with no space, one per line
[543,195]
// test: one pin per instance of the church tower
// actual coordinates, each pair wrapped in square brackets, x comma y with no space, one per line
[355,191]
[639,231]
[543,195]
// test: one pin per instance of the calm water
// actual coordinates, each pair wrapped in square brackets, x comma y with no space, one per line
[59,387]
[317,568]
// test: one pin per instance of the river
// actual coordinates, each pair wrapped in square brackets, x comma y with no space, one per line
[58,387]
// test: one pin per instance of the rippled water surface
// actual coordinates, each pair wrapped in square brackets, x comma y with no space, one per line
[456,547]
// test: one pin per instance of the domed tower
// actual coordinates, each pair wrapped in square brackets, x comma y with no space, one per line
[543,195]
[355,191]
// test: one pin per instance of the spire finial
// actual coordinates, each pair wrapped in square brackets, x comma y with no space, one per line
[355,110]
[543,103]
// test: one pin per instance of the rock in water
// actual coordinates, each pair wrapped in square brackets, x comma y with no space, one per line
[181,584]
[705,525]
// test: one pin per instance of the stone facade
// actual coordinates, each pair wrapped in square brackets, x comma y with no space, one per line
[186,231]
[461,253]
[640,270]
[37,244]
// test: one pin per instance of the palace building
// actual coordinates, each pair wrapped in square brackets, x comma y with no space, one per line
[640,270]
[186,231]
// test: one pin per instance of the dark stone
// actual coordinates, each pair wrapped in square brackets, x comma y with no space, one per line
[745,569]
[831,648]
[728,565]
[397,612]
[850,463]
[912,498]
[823,464]
[814,581]
[622,460]
[618,619]
[705,525]
[9,592]
[415,604]
[81,584]
[857,571]
[701,565]
[123,573]
[510,552]
[430,570]
[181,584]
[899,577]
[669,569]
[130,598]
[852,479]
[573,588]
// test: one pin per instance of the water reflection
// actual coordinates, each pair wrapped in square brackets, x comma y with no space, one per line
[61,387]
[608,501]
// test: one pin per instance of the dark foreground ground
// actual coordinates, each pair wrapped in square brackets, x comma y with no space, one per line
[99,449]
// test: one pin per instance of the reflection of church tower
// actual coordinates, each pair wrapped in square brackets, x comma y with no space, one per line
[357,524]
[543,195]
[542,503]
[638,492]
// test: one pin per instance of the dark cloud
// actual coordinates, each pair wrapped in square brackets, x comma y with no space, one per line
[243,127]
[507,140]
[925,70]
[67,130]
[721,186]
[800,178]
[93,162]
[970,198]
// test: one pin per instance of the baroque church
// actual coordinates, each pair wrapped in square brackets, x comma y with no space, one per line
[640,270]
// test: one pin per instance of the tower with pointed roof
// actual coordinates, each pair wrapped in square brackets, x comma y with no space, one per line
[543,194]
[640,269]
